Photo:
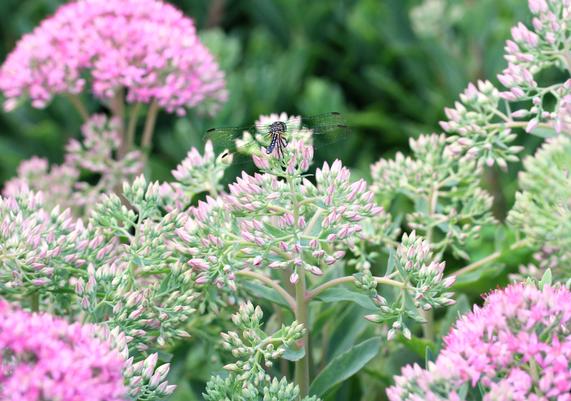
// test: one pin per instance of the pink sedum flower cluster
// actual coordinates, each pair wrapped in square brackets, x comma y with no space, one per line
[516,347]
[43,358]
[146,46]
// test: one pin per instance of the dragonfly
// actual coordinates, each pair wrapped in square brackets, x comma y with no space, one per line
[273,136]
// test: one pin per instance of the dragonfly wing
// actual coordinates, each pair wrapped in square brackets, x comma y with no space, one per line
[225,138]
[328,128]
[325,121]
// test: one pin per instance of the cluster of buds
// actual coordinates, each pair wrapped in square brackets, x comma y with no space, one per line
[542,208]
[228,388]
[531,50]
[144,380]
[147,290]
[481,127]
[197,173]
[254,224]
[415,262]
[475,133]
[94,155]
[445,191]
[255,351]
[422,280]
[35,243]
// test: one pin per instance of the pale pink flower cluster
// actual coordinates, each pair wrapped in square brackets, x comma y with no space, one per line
[530,50]
[94,154]
[146,46]
[258,206]
[43,358]
[516,347]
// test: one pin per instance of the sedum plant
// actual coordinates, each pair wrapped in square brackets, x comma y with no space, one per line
[136,266]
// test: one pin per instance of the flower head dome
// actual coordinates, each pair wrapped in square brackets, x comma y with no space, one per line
[147,47]
[45,358]
[516,347]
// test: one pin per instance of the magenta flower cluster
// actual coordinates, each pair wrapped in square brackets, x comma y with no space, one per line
[516,347]
[43,358]
[146,46]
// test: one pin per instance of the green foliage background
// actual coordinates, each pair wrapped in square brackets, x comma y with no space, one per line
[389,68]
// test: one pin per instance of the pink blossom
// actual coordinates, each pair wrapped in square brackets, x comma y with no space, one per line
[45,358]
[517,347]
[146,46]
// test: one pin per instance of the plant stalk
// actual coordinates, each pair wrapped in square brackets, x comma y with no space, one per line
[35,302]
[149,127]
[428,315]
[302,365]
[79,106]
[272,283]
[487,259]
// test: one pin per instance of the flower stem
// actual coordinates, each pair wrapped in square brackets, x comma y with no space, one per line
[118,109]
[347,279]
[428,327]
[79,106]
[488,259]
[301,312]
[35,302]
[267,280]
[150,127]
[302,365]
[129,139]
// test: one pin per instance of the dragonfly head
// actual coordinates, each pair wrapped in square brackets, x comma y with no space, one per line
[277,127]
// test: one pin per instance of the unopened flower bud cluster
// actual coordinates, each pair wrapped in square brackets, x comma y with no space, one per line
[448,200]
[423,281]
[255,351]
[94,155]
[542,211]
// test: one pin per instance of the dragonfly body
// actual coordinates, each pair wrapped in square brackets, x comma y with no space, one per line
[277,131]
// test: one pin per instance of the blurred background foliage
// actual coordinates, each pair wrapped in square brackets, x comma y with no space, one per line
[390,65]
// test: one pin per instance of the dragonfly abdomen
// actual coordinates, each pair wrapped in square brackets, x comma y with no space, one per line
[273,143]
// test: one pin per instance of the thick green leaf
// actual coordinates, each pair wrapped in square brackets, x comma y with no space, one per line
[544,132]
[338,294]
[263,292]
[547,279]
[294,353]
[345,366]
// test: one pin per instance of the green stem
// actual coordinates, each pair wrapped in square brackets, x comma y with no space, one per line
[149,127]
[129,139]
[81,109]
[35,302]
[267,280]
[488,259]
[118,109]
[302,365]
[428,315]
[301,312]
